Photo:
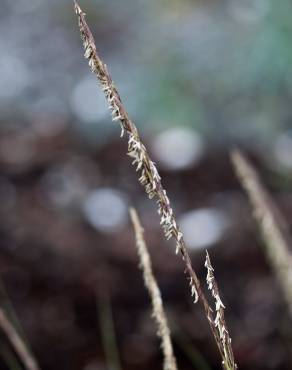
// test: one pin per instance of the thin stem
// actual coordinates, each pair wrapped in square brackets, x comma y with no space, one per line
[108,332]
[272,224]
[154,293]
[17,343]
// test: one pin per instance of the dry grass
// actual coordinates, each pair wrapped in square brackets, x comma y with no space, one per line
[17,343]
[154,293]
[150,179]
[272,224]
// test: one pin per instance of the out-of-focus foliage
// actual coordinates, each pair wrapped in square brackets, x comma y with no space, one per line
[222,67]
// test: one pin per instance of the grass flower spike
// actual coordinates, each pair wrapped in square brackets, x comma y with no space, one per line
[155,295]
[220,324]
[148,174]
[272,225]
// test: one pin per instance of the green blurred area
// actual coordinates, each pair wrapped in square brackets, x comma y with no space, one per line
[222,67]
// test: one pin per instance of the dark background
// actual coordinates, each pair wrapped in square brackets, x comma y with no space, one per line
[198,78]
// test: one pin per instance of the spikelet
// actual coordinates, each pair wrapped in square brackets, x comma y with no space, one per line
[220,324]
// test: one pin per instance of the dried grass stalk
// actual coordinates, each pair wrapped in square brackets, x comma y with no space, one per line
[154,292]
[17,343]
[222,332]
[148,174]
[272,225]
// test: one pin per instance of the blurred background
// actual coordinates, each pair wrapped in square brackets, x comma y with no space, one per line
[198,78]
